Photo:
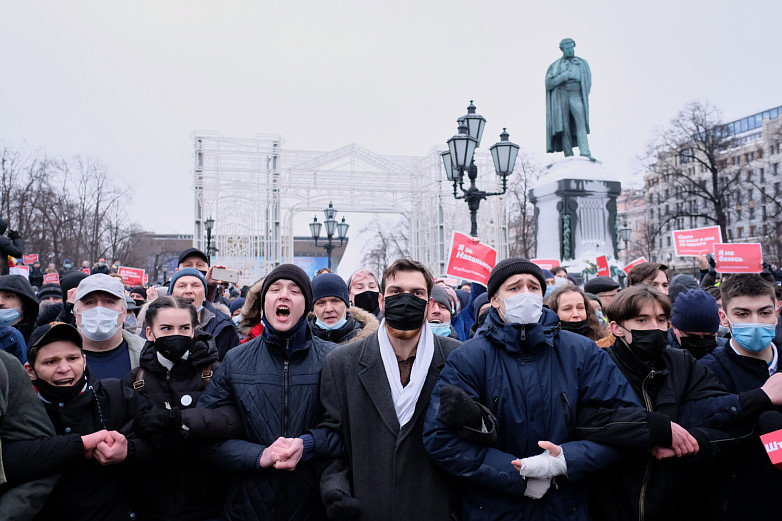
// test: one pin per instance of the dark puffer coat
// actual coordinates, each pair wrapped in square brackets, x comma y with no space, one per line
[531,377]
[177,485]
[274,382]
[222,329]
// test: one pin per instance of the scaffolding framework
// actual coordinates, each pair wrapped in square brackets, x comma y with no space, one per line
[254,187]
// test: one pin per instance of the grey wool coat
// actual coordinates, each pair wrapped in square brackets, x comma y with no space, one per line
[386,468]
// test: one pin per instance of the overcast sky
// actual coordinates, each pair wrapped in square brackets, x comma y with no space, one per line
[129,82]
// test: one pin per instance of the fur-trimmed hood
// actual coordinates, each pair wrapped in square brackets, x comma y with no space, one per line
[251,310]
[366,318]
[366,325]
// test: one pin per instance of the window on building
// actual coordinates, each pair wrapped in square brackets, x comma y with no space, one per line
[651,198]
[749,176]
[752,230]
[762,175]
[666,194]
[775,168]
[751,213]
[730,235]
[738,213]
[739,232]
[668,240]
[750,193]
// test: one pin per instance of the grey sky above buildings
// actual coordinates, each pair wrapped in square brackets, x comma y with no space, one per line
[129,82]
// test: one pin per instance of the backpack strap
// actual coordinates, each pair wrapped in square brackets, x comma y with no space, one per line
[139,383]
[207,373]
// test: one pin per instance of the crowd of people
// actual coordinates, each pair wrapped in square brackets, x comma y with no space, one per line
[390,397]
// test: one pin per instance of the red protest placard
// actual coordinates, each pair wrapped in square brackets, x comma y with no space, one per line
[546,264]
[738,257]
[131,276]
[470,261]
[698,241]
[636,262]
[24,271]
[51,278]
[30,259]
[602,266]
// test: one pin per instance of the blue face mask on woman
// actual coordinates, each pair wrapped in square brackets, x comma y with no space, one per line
[9,317]
[336,325]
[753,337]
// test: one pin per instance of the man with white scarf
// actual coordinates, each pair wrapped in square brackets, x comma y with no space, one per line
[375,392]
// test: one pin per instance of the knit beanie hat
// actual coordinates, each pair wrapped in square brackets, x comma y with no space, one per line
[513,266]
[289,272]
[695,312]
[440,296]
[236,304]
[186,272]
[478,303]
[330,285]
[50,290]
[547,274]
[679,284]
[69,281]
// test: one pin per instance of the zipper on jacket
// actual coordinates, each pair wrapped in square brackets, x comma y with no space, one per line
[647,473]
[285,399]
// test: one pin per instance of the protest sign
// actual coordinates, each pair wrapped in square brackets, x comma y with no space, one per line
[146,279]
[30,259]
[738,257]
[602,266]
[24,271]
[546,264]
[470,261]
[698,241]
[131,276]
[51,278]
[636,262]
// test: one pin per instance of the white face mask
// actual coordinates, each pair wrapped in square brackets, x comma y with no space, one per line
[99,323]
[524,308]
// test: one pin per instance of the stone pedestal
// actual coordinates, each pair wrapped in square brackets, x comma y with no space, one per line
[575,210]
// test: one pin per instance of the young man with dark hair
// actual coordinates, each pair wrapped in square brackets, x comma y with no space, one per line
[650,273]
[745,486]
[667,381]
[375,392]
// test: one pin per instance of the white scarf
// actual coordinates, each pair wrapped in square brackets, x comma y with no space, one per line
[405,398]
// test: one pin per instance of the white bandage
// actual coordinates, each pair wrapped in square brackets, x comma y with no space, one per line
[537,487]
[544,465]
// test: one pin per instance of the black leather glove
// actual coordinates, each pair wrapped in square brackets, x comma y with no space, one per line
[340,506]
[13,235]
[157,421]
[457,409]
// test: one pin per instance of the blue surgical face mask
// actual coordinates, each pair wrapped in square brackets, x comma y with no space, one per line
[549,290]
[236,319]
[753,337]
[67,265]
[99,323]
[9,317]
[440,329]
[336,325]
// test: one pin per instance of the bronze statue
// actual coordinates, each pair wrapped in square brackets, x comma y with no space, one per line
[568,81]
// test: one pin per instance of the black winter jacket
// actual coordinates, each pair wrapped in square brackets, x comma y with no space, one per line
[274,383]
[177,485]
[88,490]
[639,486]
[222,329]
[744,485]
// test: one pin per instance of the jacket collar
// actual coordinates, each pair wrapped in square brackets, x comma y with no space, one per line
[518,338]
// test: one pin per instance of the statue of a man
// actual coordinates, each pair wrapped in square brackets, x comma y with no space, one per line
[568,81]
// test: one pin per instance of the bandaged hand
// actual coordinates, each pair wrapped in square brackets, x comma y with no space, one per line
[539,470]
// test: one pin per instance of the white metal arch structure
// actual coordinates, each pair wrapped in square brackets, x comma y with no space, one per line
[254,187]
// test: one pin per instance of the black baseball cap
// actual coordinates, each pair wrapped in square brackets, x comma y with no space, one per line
[52,332]
[192,252]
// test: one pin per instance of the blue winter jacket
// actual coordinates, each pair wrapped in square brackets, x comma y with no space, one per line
[275,386]
[12,341]
[535,379]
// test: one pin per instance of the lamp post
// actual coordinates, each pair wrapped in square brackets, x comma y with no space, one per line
[624,234]
[460,159]
[208,225]
[332,225]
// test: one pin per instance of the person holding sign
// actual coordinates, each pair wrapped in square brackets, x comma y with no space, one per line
[745,486]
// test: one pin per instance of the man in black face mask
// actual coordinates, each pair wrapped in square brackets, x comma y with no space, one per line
[374,393]
[695,319]
[667,381]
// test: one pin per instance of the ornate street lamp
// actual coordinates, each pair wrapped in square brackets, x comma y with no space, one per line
[332,226]
[208,225]
[460,159]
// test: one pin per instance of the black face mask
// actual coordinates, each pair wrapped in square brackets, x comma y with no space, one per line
[367,301]
[59,393]
[648,344]
[580,327]
[139,303]
[173,347]
[699,346]
[404,311]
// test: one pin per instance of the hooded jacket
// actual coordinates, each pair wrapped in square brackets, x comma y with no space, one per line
[12,245]
[274,383]
[359,325]
[177,485]
[19,285]
[534,378]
